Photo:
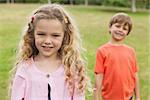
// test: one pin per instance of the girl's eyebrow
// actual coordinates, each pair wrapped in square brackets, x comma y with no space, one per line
[56,33]
[41,32]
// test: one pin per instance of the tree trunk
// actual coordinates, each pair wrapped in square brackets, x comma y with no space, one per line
[12,1]
[71,2]
[133,7]
[49,1]
[86,2]
[8,1]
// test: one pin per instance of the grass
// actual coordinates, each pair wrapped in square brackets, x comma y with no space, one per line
[92,22]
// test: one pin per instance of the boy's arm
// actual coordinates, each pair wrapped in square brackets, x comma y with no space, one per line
[137,89]
[98,84]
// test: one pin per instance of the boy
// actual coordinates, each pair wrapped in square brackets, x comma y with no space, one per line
[116,69]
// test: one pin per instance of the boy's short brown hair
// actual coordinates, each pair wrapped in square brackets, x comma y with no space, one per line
[121,18]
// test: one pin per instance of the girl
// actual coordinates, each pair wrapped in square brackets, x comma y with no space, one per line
[49,65]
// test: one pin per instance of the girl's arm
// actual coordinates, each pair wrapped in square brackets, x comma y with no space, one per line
[18,88]
[137,89]
[98,84]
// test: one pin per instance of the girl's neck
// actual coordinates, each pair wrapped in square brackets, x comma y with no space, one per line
[47,64]
[45,58]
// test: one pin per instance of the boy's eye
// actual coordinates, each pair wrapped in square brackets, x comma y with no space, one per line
[117,25]
[125,28]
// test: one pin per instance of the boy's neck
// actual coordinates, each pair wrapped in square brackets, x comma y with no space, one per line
[117,43]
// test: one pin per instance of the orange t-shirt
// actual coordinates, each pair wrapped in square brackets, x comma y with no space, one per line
[118,66]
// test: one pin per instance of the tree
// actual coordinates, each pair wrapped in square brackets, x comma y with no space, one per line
[10,1]
[71,2]
[148,4]
[133,6]
[49,1]
[86,2]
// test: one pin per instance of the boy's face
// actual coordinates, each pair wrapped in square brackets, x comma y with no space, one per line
[119,31]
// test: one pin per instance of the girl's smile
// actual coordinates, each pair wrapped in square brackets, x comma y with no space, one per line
[47,48]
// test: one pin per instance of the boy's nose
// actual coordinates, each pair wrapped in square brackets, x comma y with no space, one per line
[121,28]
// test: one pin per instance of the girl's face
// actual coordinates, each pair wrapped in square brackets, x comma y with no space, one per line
[48,37]
[119,31]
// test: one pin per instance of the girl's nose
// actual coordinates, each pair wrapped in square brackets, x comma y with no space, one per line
[48,41]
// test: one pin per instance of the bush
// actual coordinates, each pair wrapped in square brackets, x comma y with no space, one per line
[119,3]
[95,2]
[39,1]
[90,2]
[28,1]
[58,1]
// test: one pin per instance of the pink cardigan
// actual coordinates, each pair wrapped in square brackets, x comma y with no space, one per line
[32,84]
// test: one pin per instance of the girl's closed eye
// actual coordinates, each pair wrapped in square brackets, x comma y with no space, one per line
[56,35]
[40,33]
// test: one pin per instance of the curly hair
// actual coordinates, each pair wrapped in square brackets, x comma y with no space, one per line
[70,51]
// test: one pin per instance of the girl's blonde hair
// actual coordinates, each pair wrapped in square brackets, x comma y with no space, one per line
[70,51]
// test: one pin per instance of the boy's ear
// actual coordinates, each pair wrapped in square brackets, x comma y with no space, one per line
[109,32]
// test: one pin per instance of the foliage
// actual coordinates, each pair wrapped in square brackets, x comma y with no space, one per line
[90,2]
[58,1]
[119,3]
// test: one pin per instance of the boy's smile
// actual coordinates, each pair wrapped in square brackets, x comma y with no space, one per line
[119,33]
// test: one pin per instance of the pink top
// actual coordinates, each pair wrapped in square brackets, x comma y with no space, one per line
[32,84]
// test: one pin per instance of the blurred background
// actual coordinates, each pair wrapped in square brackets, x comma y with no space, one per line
[144,4]
[92,18]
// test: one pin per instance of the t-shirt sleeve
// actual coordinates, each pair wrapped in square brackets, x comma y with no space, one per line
[99,65]
[19,84]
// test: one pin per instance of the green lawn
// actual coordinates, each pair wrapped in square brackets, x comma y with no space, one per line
[93,25]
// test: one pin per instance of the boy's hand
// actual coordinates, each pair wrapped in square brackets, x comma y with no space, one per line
[98,83]
[137,99]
